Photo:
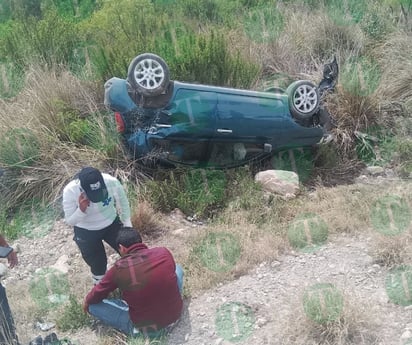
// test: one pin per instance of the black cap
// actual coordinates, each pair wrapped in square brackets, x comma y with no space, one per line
[93,184]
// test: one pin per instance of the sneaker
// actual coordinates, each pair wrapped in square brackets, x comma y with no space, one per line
[96,279]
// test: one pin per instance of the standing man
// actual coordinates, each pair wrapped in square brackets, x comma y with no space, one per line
[150,283]
[7,328]
[96,205]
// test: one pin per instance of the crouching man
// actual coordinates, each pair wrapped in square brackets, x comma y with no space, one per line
[150,283]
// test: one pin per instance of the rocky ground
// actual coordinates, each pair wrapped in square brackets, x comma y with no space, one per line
[267,306]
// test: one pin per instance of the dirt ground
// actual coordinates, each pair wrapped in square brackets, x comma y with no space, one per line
[269,305]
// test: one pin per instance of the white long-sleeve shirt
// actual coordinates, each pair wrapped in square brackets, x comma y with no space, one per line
[100,214]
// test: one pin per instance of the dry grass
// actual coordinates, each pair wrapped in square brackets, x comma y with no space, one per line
[256,245]
[355,326]
[345,209]
[40,109]
[146,220]
[302,53]
[395,91]
[390,251]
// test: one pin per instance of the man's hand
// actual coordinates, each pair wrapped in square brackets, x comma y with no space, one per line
[86,307]
[12,259]
[84,202]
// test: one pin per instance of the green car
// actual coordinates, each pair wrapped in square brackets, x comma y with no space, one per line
[171,123]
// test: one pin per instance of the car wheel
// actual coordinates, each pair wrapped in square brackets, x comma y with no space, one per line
[303,99]
[148,74]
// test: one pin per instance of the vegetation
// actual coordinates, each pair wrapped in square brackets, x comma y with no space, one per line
[73,316]
[56,55]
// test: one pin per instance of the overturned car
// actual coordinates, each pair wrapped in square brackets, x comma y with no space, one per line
[165,121]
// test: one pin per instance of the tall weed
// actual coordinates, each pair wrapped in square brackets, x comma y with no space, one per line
[195,192]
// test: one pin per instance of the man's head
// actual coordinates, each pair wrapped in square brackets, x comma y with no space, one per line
[126,237]
[92,183]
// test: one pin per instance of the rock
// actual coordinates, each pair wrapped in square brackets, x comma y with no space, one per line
[361,179]
[179,232]
[3,270]
[374,170]
[45,326]
[406,335]
[390,173]
[61,264]
[285,183]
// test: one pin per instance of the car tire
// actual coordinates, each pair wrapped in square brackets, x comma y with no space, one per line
[148,74]
[303,98]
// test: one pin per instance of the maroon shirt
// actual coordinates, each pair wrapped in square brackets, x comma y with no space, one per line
[148,282]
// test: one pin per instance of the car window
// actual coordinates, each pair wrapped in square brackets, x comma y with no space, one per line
[231,106]
[242,117]
[194,111]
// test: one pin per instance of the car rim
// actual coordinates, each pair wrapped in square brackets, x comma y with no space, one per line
[149,74]
[305,98]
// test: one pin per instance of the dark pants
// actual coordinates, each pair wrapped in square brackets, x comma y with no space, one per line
[90,243]
[7,328]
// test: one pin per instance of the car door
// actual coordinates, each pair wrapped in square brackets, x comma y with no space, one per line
[248,126]
[183,130]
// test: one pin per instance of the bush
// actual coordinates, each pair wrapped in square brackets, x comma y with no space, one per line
[11,80]
[197,57]
[195,192]
[50,40]
[19,148]
[73,317]
[207,59]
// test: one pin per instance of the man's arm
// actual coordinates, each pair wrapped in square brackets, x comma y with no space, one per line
[74,204]
[101,290]
[12,257]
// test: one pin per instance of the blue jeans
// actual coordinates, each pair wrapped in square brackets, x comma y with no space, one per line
[115,312]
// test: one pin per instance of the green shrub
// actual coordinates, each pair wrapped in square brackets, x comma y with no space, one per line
[243,192]
[101,134]
[195,192]
[73,317]
[360,76]
[202,189]
[195,57]
[202,10]
[96,130]
[50,40]
[11,79]
[378,146]
[404,151]
[347,12]
[19,147]
[71,9]
[207,59]
[7,229]
[49,289]
[299,160]
[121,30]
[263,24]
[34,218]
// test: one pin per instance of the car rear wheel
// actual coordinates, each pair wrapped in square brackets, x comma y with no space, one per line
[148,74]
[303,99]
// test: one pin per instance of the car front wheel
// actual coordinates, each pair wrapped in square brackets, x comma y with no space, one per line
[303,98]
[148,74]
